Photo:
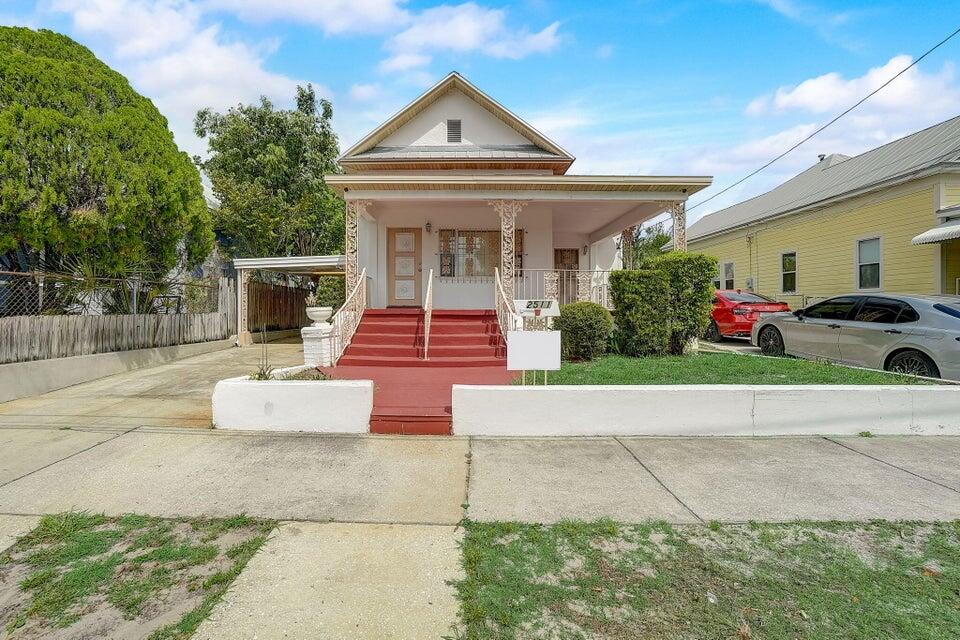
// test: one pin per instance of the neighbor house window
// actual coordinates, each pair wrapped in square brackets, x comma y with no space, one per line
[788,272]
[474,253]
[728,275]
[868,263]
[454,131]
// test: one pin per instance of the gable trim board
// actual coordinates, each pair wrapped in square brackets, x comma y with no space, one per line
[455,82]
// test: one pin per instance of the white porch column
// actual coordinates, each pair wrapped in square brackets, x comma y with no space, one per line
[243,331]
[679,214]
[355,209]
[507,210]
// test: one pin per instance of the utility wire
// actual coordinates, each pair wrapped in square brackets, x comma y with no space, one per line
[821,128]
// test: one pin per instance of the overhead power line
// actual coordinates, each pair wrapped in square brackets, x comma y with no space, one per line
[824,126]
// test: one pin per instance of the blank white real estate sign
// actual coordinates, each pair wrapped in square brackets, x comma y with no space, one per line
[533,350]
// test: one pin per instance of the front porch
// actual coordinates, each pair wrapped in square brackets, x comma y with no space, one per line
[557,237]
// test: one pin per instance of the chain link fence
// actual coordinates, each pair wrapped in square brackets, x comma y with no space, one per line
[50,315]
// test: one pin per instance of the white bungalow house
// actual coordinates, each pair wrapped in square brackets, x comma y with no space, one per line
[455,189]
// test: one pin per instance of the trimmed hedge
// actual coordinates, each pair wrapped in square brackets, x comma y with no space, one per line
[641,301]
[584,329]
[690,277]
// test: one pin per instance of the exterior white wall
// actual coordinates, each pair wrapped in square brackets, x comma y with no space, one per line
[704,410]
[457,293]
[478,126]
[325,406]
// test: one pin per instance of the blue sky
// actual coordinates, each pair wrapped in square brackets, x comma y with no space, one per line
[634,86]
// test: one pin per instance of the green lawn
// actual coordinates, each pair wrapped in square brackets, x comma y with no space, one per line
[88,575]
[817,581]
[716,368]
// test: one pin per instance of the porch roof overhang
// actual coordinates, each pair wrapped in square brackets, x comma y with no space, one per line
[300,265]
[943,232]
[517,186]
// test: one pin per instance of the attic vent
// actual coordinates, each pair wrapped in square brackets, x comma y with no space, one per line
[453,131]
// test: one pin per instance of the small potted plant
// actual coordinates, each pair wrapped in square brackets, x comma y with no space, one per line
[319,314]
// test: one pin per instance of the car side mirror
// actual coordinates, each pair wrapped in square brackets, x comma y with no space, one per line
[799,313]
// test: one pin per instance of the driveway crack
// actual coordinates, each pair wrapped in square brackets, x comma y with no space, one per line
[75,453]
[890,464]
[660,482]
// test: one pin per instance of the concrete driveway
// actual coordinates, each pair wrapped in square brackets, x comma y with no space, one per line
[171,395]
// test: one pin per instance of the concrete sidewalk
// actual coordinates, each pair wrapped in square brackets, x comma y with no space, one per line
[424,480]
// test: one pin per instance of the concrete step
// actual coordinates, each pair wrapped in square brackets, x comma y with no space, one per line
[380,361]
[414,351]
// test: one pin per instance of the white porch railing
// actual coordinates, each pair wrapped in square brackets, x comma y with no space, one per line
[347,319]
[506,316]
[427,315]
[564,285]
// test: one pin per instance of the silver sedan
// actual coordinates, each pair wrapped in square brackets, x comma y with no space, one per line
[919,335]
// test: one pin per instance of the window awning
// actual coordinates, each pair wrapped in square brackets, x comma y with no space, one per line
[944,231]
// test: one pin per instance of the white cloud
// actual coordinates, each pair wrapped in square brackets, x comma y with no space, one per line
[133,27]
[364,92]
[182,64]
[332,16]
[828,24]
[463,28]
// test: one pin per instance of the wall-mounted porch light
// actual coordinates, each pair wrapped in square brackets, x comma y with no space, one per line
[428,227]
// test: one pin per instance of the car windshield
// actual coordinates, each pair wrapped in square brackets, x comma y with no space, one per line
[738,296]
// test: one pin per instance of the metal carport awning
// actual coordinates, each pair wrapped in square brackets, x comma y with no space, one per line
[949,230]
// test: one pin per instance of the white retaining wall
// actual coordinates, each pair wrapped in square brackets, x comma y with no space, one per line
[705,410]
[318,406]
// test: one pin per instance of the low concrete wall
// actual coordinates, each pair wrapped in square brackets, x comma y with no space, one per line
[319,406]
[705,410]
[22,379]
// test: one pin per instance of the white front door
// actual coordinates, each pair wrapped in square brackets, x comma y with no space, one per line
[403,267]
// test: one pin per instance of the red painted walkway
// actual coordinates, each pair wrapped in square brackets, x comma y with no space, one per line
[413,395]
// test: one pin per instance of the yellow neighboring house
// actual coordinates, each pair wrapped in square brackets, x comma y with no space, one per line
[885,220]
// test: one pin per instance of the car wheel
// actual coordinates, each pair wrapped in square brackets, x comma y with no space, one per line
[713,333]
[913,363]
[771,341]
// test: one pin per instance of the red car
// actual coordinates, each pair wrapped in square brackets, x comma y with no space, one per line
[735,311]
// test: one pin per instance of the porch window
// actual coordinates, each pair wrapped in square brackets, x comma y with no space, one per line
[474,253]
[728,275]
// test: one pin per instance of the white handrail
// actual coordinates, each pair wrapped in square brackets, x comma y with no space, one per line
[506,316]
[347,319]
[427,314]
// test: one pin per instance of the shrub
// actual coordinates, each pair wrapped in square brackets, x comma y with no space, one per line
[690,277]
[642,305]
[585,328]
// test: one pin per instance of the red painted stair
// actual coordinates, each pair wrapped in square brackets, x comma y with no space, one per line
[413,395]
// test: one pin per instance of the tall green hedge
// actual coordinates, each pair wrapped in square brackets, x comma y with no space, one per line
[641,301]
[690,277]
[584,329]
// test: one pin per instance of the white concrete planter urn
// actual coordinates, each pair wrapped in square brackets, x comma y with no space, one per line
[319,315]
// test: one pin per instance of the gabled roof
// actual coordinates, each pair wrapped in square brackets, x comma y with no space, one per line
[838,176]
[540,147]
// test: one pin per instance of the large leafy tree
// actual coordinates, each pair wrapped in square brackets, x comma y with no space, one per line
[89,171]
[266,166]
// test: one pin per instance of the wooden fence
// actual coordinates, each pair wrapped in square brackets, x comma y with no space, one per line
[25,338]
[274,306]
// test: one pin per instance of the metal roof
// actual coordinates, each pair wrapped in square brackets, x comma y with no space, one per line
[458,151]
[949,230]
[838,175]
